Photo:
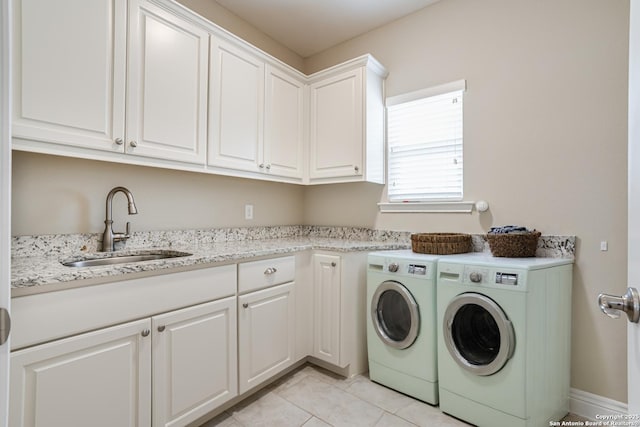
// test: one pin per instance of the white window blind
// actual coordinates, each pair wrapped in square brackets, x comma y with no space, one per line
[424,135]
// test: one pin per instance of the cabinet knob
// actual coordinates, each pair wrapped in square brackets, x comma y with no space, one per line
[119,141]
[161,328]
[333,264]
[261,165]
[245,304]
[268,167]
[269,271]
[133,144]
[356,169]
[145,333]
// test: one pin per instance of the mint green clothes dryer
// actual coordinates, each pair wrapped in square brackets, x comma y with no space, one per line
[401,322]
[504,337]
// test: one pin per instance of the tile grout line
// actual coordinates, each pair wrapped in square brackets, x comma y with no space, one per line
[297,406]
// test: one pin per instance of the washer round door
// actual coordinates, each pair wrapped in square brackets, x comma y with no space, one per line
[478,334]
[395,314]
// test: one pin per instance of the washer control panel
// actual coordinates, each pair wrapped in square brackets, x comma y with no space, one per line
[502,276]
[417,269]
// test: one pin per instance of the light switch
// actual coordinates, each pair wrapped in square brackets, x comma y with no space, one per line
[248,211]
[604,246]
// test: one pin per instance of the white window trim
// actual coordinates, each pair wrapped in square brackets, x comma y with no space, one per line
[426,92]
[427,206]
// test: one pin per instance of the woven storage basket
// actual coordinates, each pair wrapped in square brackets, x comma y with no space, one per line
[514,245]
[441,243]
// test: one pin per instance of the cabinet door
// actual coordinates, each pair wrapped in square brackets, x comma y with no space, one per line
[236,108]
[194,361]
[98,379]
[167,93]
[337,126]
[266,321]
[326,313]
[284,124]
[69,69]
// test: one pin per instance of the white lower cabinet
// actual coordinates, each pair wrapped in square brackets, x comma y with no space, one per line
[326,307]
[194,361]
[98,379]
[266,322]
[174,365]
[265,332]
[184,358]
[180,364]
[340,310]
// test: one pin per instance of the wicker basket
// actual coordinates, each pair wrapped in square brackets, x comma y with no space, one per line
[441,243]
[514,245]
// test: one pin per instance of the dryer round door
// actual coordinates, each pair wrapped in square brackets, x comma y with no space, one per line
[478,334]
[395,314]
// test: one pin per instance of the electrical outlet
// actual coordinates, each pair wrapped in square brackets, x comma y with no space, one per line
[604,246]
[248,211]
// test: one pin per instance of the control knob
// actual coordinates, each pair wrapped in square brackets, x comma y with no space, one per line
[475,277]
[393,267]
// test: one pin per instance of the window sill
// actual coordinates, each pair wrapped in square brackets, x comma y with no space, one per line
[426,207]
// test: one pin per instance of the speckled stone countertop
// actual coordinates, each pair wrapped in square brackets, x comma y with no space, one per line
[37,260]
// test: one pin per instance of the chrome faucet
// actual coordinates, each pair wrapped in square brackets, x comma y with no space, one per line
[109,237]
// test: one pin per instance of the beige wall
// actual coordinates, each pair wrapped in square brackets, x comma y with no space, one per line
[545,145]
[545,140]
[54,195]
[234,24]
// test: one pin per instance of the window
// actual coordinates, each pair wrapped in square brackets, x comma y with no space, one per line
[424,136]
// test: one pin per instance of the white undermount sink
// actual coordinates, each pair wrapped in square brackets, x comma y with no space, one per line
[111,258]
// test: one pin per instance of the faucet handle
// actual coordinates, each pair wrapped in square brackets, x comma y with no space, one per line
[127,232]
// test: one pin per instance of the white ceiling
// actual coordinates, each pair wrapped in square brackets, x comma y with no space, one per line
[311,26]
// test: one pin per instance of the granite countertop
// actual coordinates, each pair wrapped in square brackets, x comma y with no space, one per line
[36,274]
[36,260]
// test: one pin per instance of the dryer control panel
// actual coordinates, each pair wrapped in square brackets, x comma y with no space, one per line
[506,278]
[475,274]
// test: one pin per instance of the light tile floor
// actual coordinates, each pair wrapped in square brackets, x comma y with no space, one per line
[312,397]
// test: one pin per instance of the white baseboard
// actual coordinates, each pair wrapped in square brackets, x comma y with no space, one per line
[589,405]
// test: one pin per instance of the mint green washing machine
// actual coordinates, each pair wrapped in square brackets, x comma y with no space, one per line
[504,338]
[401,322]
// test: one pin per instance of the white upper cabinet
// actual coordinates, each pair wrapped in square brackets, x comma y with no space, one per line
[346,123]
[256,114]
[236,107]
[284,123]
[167,85]
[72,86]
[150,82]
[69,68]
